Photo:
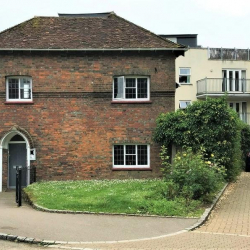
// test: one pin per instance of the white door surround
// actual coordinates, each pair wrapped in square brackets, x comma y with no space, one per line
[4,145]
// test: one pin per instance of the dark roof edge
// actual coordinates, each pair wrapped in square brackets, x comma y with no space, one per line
[178,35]
[87,15]
[148,31]
[98,49]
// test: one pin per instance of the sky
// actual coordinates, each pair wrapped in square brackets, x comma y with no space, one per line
[218,23]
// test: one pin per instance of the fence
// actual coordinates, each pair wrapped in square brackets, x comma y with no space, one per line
[228,54]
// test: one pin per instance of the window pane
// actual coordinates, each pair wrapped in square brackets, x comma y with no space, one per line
[130,93]
[118,87]
[184,79]
[115,87]
[142,87]
[130,159]
[118,155]
[142,155]
[130,149]
[25,89]
[184,71]
[237,107]
[130,82]
[120,82]
[184,104]
[13,88]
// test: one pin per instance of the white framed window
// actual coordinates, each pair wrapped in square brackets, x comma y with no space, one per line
[184,75]
[131,156]
[233,80]
[184,104]
[18,88]
[240,108]
[131,88]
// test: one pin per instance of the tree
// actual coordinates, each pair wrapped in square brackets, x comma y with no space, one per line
[208,125]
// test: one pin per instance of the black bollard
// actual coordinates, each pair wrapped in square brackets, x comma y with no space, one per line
[19,185]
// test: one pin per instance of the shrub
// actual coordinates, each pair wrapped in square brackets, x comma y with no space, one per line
[208,125]
[191,177]
[245,139]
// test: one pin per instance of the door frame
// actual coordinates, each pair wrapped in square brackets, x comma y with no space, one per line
[14,142]
[4,145]
[233,79]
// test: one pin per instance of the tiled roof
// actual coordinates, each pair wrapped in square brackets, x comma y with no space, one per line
[81,32]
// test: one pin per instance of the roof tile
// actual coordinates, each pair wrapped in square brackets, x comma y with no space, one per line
[69,32]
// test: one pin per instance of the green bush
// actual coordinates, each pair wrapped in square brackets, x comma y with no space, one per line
[191,177]
[208,125]
[245,139]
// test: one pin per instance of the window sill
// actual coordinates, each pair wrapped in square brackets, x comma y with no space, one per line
[19,102]
[186,84]
[131,102]
[131,169]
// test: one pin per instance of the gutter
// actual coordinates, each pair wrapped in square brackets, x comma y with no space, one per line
[98,49]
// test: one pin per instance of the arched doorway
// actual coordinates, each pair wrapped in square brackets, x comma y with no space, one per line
[17,147]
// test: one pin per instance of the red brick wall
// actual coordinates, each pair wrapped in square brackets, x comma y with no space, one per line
[73,122]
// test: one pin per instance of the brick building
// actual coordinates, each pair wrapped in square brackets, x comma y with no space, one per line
[79,95]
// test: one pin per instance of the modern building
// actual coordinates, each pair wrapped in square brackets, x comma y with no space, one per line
[212,72]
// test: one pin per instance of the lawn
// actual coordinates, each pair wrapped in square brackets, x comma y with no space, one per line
[111,196]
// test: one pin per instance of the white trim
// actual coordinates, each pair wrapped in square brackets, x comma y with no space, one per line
[4,144]
[136,99]
[184,104]
[131,166]
[186,83]
[19,89]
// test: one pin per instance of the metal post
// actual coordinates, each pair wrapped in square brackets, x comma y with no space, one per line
[17,186]
[20,187]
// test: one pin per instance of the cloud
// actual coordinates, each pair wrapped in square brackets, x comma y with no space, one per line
[237,8]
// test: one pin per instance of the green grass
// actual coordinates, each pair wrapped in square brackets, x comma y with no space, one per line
[112,196]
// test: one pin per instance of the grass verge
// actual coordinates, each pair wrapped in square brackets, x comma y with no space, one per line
[112,196]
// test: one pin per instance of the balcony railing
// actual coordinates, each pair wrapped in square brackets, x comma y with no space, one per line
[228,54]
[223,85]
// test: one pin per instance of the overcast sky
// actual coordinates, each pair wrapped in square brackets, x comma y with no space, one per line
[218,23]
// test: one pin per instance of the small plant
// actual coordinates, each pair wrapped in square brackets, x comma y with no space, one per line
[192,176]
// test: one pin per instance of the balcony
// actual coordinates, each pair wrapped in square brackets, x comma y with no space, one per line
[219,86]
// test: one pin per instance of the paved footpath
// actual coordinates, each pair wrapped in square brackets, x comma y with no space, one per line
[227,228]
[27,222]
